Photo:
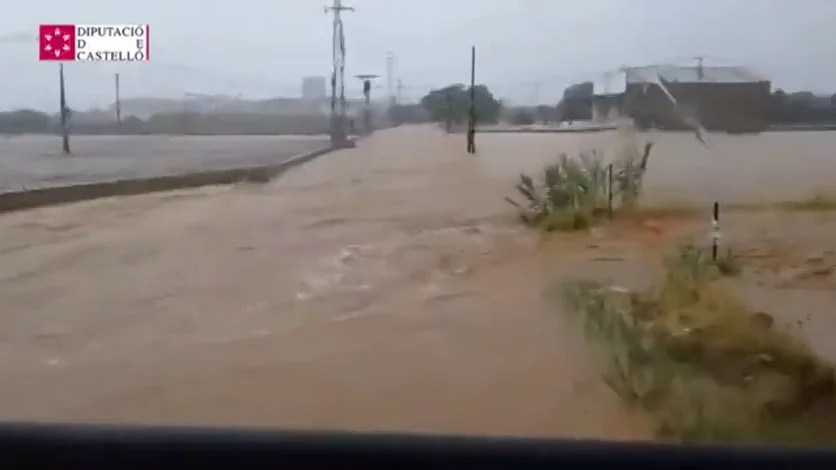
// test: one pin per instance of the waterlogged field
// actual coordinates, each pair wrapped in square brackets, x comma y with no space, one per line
[387,287]
[34,161]
[734,169]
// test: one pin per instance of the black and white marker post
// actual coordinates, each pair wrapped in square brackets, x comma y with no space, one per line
[715,231]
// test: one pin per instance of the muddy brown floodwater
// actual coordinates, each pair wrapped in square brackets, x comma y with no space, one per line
[386,287]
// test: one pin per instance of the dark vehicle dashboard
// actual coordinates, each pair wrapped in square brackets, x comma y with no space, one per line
[68,446]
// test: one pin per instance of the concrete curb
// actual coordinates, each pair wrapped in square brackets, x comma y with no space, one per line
[56,195]
[791,128]
[545,131]
[800,128]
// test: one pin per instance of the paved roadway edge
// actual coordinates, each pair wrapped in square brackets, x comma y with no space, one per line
[57,195]
[605,128]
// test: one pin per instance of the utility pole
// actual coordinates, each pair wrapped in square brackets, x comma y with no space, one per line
[338,104]
[448,119]
[118,101]
[700,71]
[608,77]
[390,78]
[64,113]
[367,94]
[399,92]
[535,94]
[471,124]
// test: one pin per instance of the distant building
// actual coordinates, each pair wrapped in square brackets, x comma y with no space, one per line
[719,98]
[314,88]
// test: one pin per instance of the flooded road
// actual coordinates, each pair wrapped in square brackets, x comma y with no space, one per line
[31,161]
[386,287]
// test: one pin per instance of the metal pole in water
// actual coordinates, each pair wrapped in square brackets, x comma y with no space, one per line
[118,100]
[609,191]
[65,128]
[471,124]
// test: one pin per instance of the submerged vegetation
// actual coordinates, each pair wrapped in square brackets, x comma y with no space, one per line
[816,202]
[573,193]
[688,350]
[701,362]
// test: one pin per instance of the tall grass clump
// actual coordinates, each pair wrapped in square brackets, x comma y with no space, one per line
[701,362]
[573,193]
[816,202]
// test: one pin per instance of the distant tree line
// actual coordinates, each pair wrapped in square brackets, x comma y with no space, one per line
[400,114]
[451,104]
[528,115]
[27,121]
[802,107]
[576,103]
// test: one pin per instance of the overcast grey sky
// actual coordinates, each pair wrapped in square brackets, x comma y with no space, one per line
[263,48]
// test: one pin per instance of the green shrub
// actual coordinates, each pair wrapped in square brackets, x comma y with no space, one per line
[573,193]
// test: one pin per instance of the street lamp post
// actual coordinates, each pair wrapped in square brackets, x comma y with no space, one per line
[367,92]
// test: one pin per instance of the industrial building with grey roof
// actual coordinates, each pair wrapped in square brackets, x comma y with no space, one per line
[727,98]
